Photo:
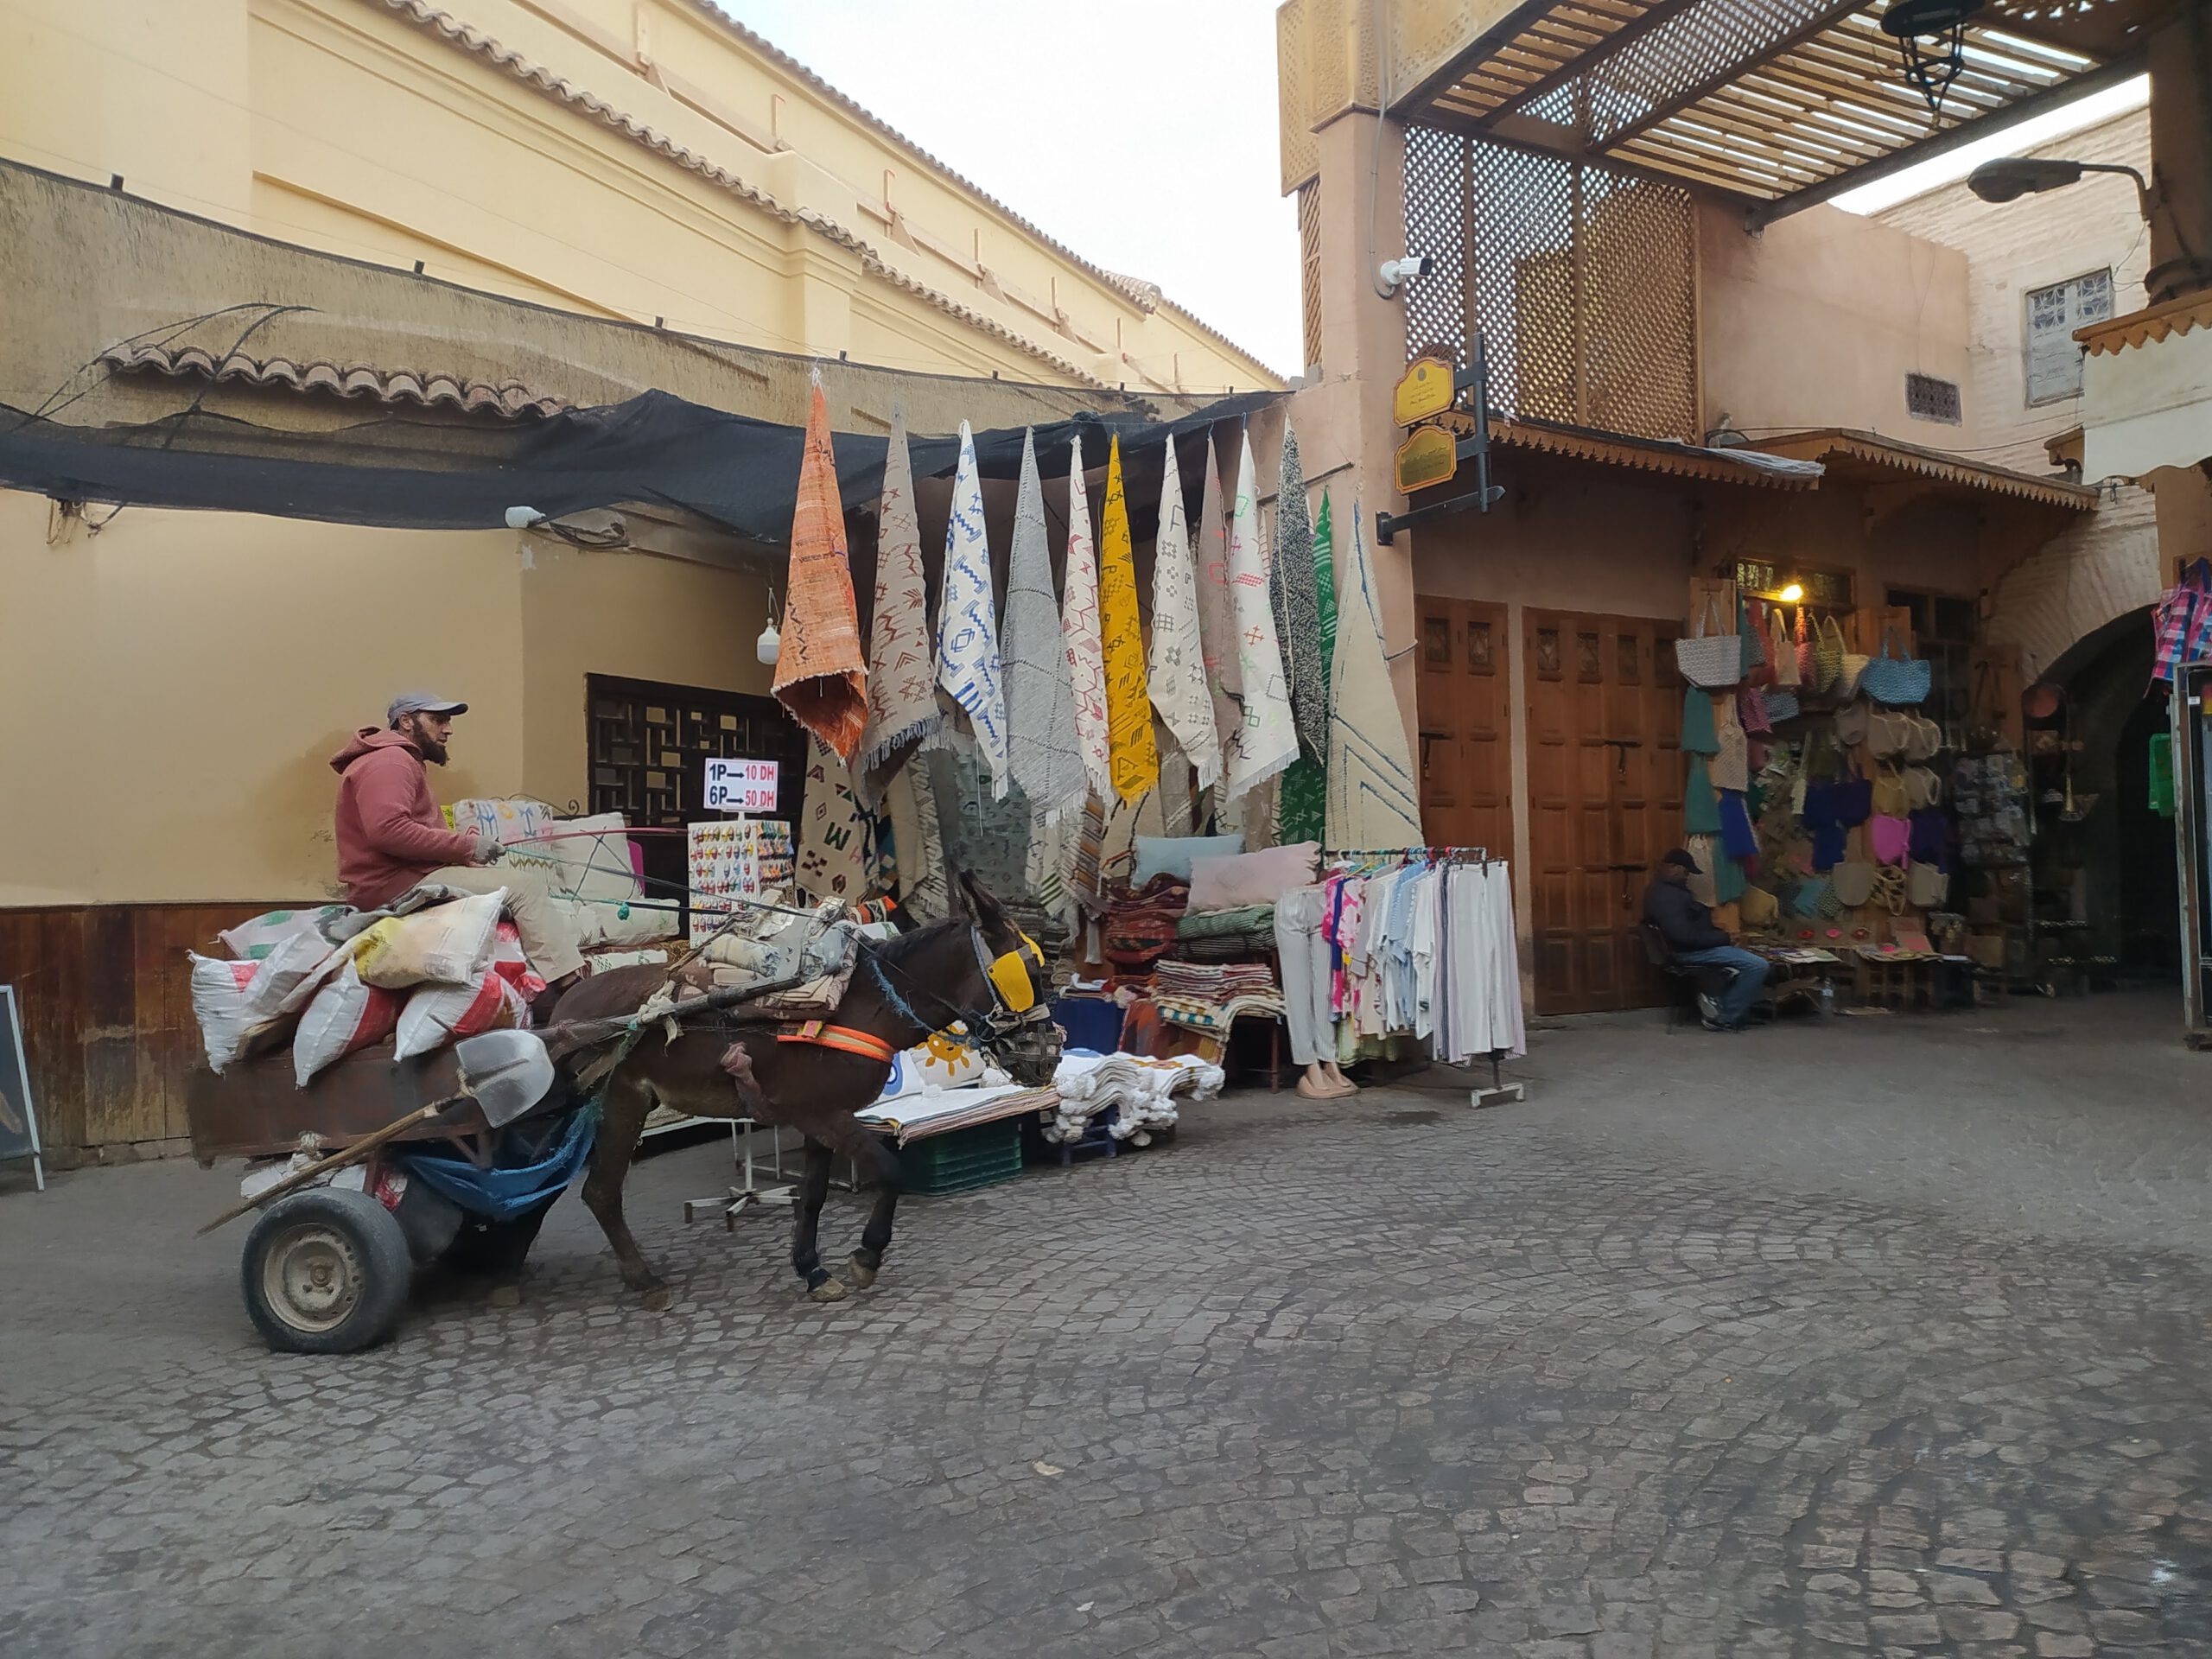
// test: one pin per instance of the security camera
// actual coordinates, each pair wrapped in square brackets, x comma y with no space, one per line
[523,518]
[1394,272]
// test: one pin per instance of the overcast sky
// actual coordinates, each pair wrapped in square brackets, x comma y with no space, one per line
[1142,134]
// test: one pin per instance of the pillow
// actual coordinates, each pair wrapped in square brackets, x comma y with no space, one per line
[596,866]
[1258,878]
[602,922]
[1173,854]
[511,819]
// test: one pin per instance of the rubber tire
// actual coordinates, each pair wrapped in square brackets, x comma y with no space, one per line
[379,1247]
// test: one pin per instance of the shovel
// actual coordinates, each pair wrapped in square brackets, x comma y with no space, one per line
[505,1072]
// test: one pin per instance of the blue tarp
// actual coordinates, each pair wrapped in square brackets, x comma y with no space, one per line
[503,1194]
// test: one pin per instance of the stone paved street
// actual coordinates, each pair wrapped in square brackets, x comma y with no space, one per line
[1881,1336]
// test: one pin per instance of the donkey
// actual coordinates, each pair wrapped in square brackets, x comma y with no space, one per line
[901,990]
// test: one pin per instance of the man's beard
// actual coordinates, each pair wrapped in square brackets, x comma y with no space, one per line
[431,749]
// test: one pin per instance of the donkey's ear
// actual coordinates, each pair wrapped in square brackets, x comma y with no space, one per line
[981,904]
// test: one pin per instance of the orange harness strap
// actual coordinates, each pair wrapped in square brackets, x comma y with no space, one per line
[843,1038]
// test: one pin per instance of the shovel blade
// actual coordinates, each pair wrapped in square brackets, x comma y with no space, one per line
[507,1072]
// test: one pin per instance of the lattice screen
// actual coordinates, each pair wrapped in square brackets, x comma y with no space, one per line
[1583,280]
[1309,268]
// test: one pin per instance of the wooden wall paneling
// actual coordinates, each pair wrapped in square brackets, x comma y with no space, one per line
[1466,737]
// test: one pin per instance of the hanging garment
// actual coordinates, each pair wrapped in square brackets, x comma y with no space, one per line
[1040,702]
[1728,880]
[1699,735]
[912,803]
[1132,753]
[820,677]
[969,665]
[1302,957]
[1086,657]
[1305,783]
[2178,617]
[1218,608]
[902,706]
[1177,671]
[1295,599]
[1374,796]
[1268,741]
[833,835]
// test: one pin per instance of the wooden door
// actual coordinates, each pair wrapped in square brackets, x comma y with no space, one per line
[1605,796]
[1464,696]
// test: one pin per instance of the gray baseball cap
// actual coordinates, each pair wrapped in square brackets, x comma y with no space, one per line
[421,703]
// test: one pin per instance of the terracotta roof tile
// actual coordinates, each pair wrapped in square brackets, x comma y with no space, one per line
[429,389]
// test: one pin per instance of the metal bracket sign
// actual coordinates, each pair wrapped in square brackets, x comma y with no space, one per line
[1420,463]
[1426,388]
[1429,455]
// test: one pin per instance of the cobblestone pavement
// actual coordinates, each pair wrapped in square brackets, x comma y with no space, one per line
[1872,1337]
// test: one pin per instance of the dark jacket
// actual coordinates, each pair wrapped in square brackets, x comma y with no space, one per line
[1683,922]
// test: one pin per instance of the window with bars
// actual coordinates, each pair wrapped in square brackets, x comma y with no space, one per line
[1582,279]
[647,743]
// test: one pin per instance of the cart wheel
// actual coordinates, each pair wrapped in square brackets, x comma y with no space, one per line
[324,1272]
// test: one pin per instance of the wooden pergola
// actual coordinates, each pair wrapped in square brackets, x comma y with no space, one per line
[1780,104]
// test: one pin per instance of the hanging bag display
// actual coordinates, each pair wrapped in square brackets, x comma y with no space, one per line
[1750,628]
[1849,663]
[1783,650]
[1809,666]
[1900,682]
[1852,882]
[1890,799]
[1731,755]
[1891,838]
[1828,657]
[1926,887]
[1710,657]
[1781,704]
[1889,889]
[1886,734]
[1854,800]
[1923,788]
[1750,711]
[1759,907]
[1923,738]
[1700,806]
[1852,724]
[1698,734]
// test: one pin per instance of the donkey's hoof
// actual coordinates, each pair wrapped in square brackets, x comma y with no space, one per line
[828,1290]
[659,1299]
[859,1272]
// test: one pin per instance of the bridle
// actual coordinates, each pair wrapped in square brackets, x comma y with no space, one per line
[1013,1020]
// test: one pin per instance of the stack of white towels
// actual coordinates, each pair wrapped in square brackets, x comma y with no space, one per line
[1143,1089]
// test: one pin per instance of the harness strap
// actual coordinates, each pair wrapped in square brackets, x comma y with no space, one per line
[843,1038]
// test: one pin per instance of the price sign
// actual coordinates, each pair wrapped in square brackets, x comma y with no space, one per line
[741,785]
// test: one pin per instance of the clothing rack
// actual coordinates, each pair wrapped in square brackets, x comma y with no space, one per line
[1500,1091]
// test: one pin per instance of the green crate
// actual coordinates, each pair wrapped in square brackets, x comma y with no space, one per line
[983,1155]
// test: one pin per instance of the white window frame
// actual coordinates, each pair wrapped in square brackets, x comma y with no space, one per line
[2075,318]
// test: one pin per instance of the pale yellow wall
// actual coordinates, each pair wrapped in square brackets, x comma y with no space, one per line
[344,125]
[2015,246]
[181,681]
[1817,322]
[630,614]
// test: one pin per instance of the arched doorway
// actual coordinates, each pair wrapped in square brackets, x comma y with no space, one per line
[2112,867]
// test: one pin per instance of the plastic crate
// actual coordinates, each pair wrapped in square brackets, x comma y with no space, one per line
[1096,1141]
[962,1159]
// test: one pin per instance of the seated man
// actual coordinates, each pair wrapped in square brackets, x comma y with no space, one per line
[392,835]
[1687,925]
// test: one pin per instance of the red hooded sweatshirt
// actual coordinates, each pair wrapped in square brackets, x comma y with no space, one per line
[391,834]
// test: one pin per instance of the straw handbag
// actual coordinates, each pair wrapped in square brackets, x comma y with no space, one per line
[1926,887]
[1852,882]
[1710,657]
[1827,655]
[1808,667]
[1923,737]
[1898,681]
[1923,788]
[1759,907]
[1891,799]
[1852,724]
[1783,651]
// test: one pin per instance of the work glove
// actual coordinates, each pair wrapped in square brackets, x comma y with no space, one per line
[488,849]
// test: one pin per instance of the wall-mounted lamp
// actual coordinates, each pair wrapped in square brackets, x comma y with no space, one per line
[1793,593]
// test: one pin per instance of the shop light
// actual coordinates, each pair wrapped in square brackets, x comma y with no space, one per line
[1931,34]
[1793,593]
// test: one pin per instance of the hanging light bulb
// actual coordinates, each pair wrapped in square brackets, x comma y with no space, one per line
[1932,35]
[770,645]
[1793,593]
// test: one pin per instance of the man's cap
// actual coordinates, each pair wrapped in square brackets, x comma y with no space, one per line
[1677,855]
[421,703]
